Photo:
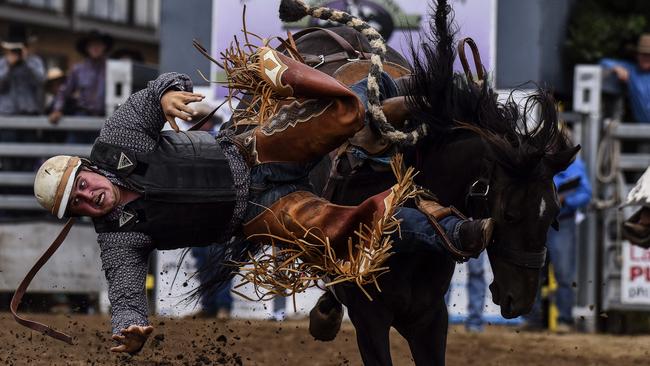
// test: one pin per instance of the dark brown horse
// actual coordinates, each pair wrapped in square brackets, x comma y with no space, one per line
[483,157]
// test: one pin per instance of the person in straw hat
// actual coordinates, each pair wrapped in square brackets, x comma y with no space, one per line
[637,78]
[149,189]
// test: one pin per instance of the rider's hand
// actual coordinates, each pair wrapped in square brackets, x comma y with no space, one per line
[174,104]
[132,338]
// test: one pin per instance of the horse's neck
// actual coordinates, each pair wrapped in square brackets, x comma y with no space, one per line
[449,169]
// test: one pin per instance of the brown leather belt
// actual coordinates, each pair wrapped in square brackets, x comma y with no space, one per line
[22,288]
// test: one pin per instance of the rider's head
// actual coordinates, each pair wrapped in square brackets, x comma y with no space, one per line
[65,186]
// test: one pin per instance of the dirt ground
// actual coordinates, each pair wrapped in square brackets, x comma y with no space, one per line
[242,342]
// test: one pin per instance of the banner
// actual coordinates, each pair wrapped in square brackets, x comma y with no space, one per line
[635,275]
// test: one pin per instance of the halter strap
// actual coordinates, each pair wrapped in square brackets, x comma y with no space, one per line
[477,198]
[22,288]
[532,260]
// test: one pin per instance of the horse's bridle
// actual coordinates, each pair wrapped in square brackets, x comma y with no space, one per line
[477,203]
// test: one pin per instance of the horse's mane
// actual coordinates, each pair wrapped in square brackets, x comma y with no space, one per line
[446,102]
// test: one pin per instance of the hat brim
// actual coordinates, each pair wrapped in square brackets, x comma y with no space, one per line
[67,189]
[12,45]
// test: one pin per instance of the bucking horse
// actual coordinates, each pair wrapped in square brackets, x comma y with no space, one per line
[484,157]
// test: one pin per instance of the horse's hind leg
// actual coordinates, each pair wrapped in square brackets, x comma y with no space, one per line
[427,338]
[372,338]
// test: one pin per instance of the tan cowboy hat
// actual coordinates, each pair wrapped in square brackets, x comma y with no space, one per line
[644,44]
[54,73]
[53,183]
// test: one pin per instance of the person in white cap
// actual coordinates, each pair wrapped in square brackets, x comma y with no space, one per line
[22,75]
[149,189]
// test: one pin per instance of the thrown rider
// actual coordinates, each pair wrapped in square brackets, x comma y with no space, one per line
[149,189]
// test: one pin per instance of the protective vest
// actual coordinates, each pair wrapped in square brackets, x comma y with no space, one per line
[187,187]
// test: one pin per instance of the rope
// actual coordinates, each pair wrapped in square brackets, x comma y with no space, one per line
[608,158]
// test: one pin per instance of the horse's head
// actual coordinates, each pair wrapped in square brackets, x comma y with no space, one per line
[524,208]
[522,149]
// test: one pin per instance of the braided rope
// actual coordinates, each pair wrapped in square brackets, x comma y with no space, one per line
[378,50]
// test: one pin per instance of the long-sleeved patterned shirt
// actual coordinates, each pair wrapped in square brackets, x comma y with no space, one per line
[21,86]
[86,86]
[136,126]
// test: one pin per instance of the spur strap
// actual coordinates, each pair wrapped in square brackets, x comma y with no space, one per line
[440,212]
[22,288]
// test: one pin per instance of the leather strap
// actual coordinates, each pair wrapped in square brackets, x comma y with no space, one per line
[342,42]
[427,205]
[477,61]
[348,53]
[22,288]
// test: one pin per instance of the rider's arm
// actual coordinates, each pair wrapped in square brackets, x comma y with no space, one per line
[136,124]
[125,261]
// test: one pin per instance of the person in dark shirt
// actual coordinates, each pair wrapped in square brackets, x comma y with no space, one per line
[86,83]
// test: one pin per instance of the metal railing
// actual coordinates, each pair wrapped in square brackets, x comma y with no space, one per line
[36,149]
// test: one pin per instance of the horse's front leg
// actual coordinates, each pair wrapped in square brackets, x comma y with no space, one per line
[372,320]
[372,325]
[427,338]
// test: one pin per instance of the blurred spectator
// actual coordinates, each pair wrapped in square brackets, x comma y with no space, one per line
[279,308]
[574,192]
[218,304]
[54,82]
[476,285]
[22,75]
[86,81]
[637,78]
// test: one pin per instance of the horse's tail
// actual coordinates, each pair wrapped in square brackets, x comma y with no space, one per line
[294,10]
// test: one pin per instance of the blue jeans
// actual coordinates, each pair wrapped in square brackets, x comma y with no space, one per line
[562,254]
[272,181]
[223,298]
[387,89]
[417,233]
[476,286]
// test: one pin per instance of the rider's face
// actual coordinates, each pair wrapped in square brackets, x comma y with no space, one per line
[92,195]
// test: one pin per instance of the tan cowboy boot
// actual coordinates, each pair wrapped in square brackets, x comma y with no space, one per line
[306,216]
[323,115]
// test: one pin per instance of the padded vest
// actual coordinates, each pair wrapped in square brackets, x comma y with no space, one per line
[188,192]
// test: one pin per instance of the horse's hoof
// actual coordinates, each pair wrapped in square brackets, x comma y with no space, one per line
[325,318]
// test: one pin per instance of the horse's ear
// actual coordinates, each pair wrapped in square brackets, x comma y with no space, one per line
[561,160]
